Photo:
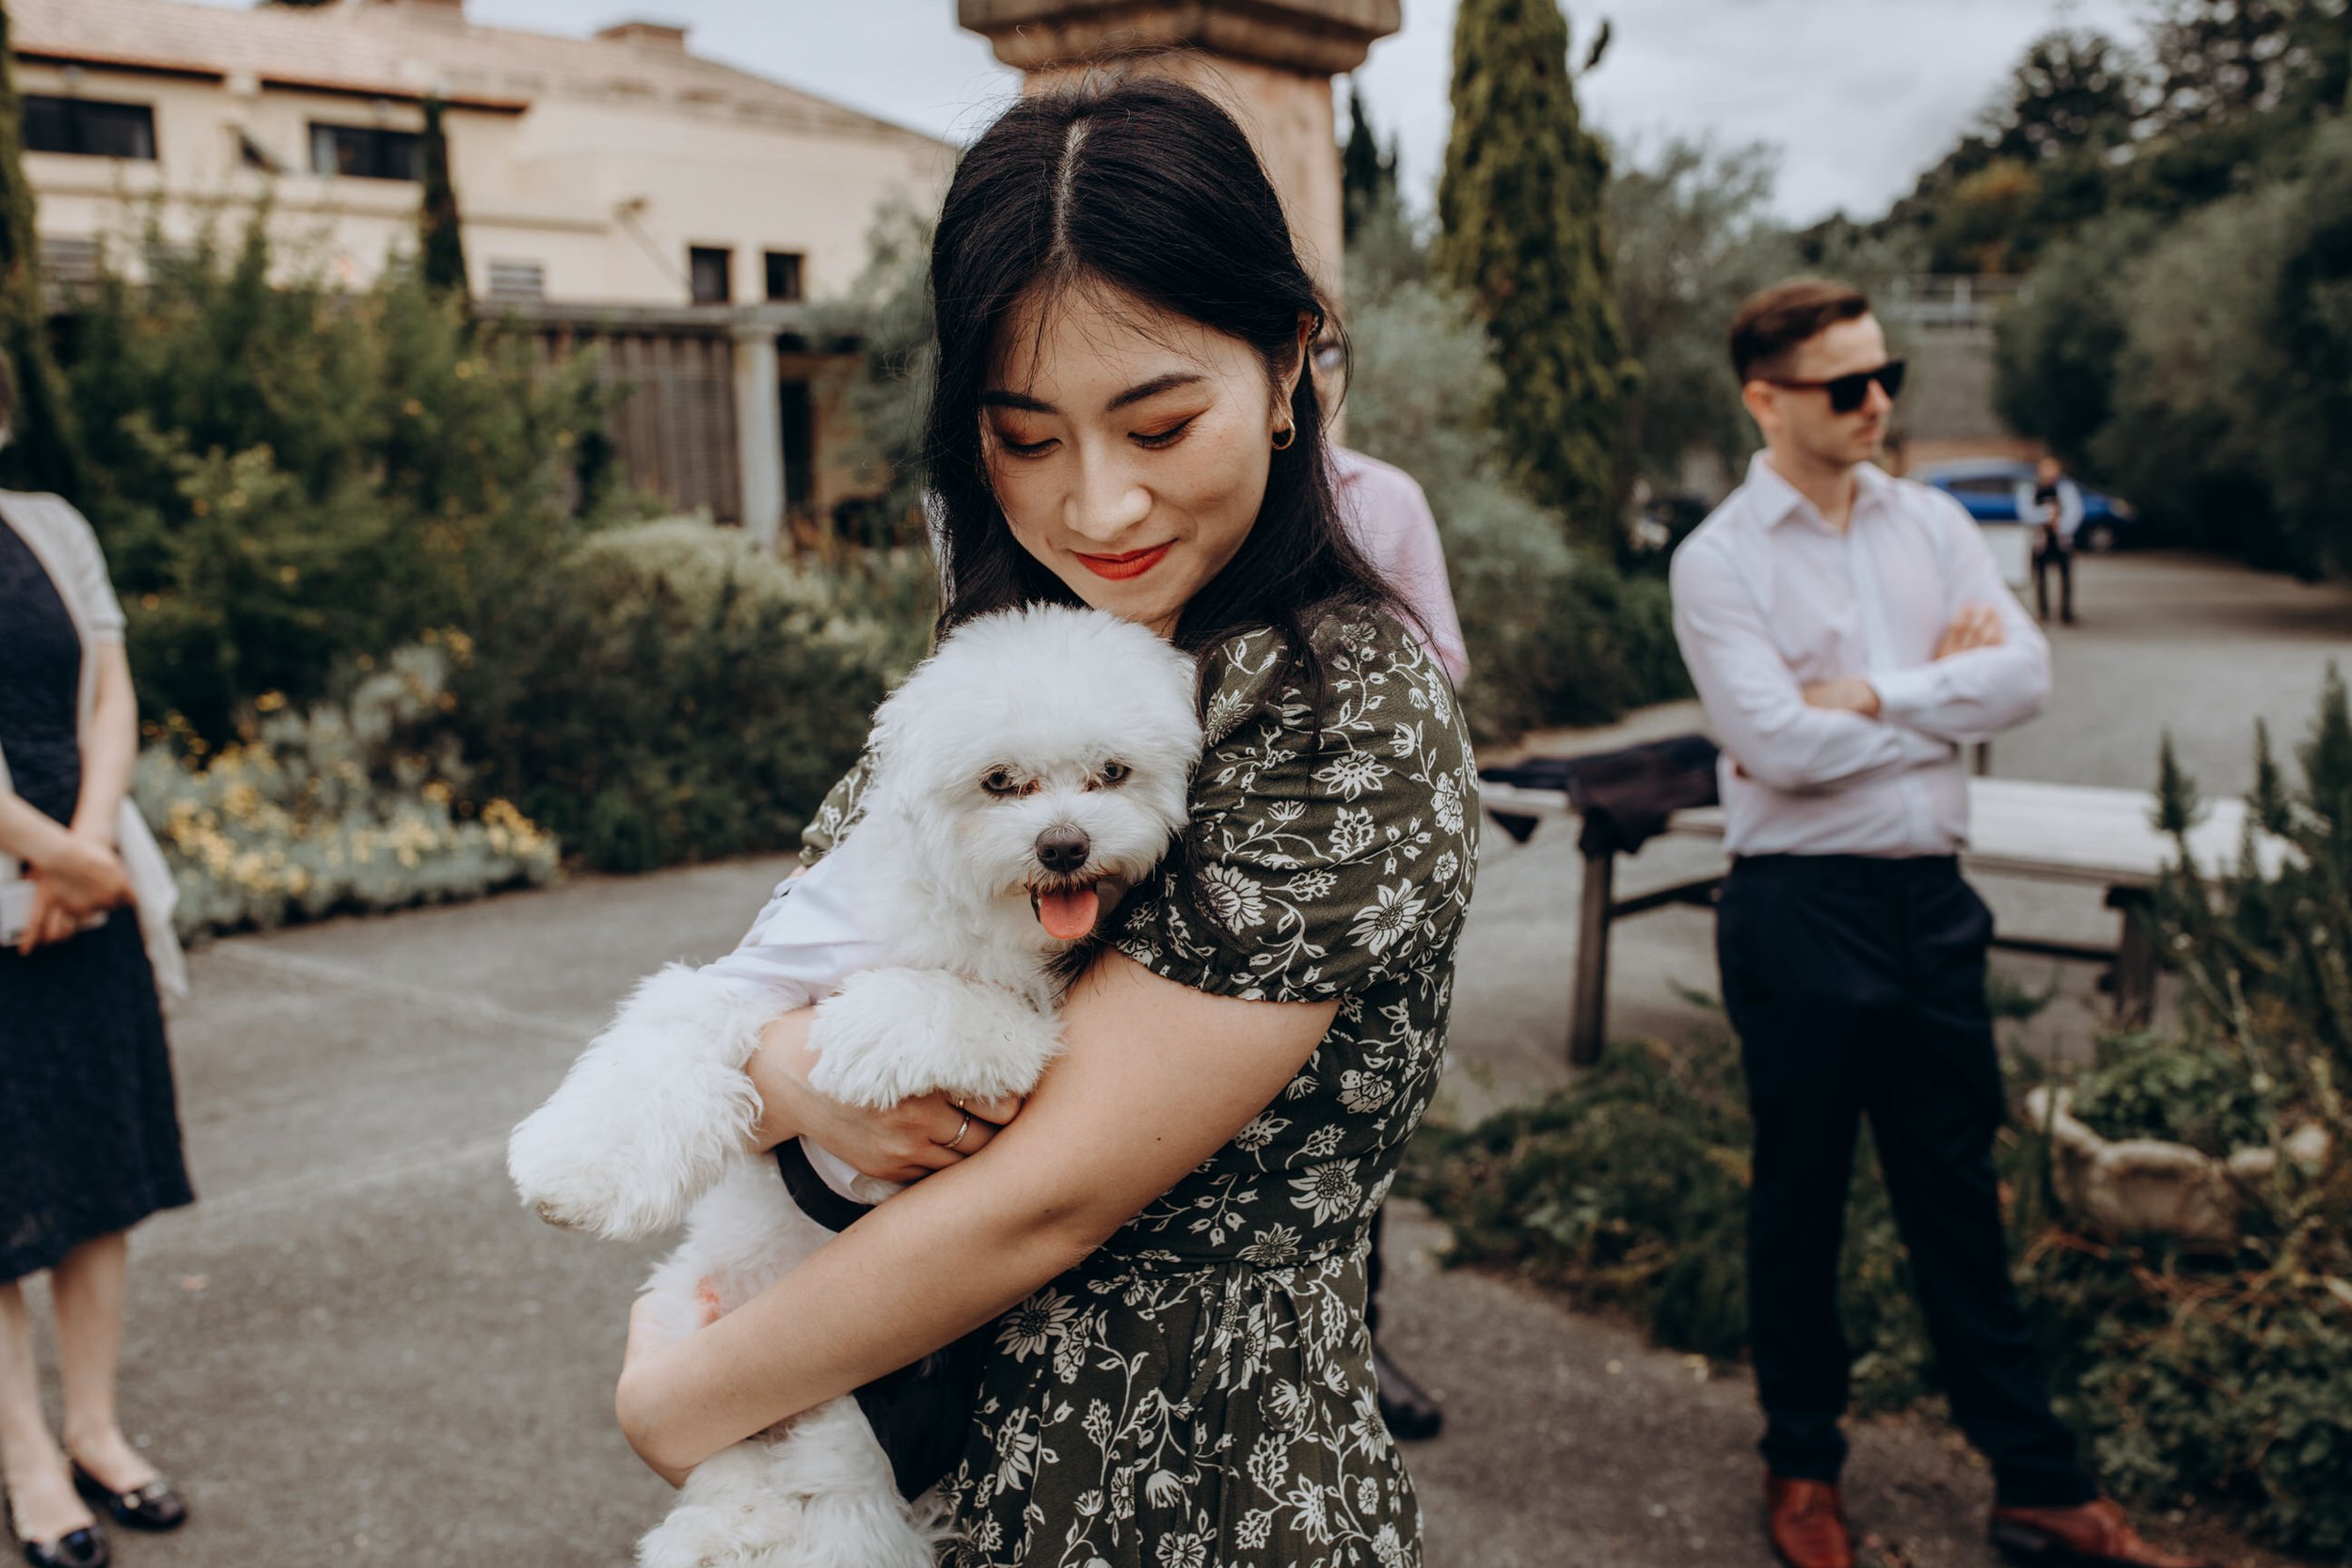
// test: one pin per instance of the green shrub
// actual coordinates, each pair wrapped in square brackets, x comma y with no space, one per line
[667,693]
[287,475]
[2265,952]
[1691,236]
[2224,1382]
[2203,365]
[314,812]
[2195,1091]
[1628,1194]
[1556,635]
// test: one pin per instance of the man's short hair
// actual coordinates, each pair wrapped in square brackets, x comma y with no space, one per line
[1774,322]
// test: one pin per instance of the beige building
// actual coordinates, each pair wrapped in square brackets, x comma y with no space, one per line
[615,188]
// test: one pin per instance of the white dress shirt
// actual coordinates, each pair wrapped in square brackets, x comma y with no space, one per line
[1768,598]
[1390,519]
[812,936]
[2068,509]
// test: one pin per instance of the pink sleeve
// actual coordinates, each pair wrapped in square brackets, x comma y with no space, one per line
[1396,529]
[1420,572]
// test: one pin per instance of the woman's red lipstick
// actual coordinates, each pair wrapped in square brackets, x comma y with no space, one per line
[1120,567]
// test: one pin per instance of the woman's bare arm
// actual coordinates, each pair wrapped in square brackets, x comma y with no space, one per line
[1157,1078]
[27,832]
[110,742]
[77,871]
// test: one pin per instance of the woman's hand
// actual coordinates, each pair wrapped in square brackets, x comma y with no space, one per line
[76,878]
[82,874]
[903,1143]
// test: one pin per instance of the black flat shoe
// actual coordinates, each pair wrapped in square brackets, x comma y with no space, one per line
[153,1507]
[1411,1414]
[82,1548]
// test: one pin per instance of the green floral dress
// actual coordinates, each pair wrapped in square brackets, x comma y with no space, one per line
[1199,1393]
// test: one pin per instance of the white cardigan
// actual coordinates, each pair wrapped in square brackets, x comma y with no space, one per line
[60,537]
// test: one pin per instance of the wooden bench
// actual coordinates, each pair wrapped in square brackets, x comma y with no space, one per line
[2047,832]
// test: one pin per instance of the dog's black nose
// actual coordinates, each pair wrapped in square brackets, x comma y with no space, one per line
[1062,848]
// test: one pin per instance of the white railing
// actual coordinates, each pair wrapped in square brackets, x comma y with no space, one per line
[1949,299]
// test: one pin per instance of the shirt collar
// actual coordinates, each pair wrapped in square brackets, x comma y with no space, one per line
[1781,500]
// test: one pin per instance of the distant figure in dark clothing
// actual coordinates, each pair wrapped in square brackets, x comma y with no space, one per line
[2052,505]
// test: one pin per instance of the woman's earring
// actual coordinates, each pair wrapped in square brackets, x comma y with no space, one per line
[1284,436]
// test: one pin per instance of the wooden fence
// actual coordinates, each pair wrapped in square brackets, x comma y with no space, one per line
[677,429]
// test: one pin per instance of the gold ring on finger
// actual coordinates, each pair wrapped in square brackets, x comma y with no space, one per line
[960,1132]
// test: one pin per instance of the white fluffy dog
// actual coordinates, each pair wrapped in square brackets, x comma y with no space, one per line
[1024,776]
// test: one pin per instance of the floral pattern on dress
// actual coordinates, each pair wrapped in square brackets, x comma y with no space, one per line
[1199,1393]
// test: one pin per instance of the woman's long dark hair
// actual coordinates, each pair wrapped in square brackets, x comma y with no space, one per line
[1146,185]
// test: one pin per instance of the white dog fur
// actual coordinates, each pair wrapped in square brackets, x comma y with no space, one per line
[1024,724]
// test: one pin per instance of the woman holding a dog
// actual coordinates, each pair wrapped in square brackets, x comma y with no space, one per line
[1163,1250]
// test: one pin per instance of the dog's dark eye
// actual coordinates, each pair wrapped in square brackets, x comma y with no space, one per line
[1116,772]
[1001,781]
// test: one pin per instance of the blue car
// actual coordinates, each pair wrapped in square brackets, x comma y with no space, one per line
[1987,486]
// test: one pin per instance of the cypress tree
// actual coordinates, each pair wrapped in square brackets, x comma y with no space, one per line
[441,247]
[1364,174]
[1520,216]
[44,452]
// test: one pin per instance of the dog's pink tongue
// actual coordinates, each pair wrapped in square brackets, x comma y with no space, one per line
[1067,916]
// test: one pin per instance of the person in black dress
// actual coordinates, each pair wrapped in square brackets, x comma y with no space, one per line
[89,1137]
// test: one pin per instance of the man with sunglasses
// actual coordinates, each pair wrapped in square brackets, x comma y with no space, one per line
[1851,635]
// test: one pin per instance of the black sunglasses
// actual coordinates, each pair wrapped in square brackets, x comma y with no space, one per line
[1847,392]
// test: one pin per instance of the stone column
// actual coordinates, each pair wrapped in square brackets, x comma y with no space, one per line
[758,429]
[1271,61]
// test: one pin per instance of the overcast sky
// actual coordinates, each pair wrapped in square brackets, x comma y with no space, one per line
[1859,95]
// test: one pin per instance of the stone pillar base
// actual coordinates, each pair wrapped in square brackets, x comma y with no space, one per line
[1269,61]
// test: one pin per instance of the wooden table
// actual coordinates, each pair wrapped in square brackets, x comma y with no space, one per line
[2047,832]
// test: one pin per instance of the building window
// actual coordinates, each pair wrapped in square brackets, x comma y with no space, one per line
[89,126]
[363,152]
[711,272]
[784,274]
[70,259]
[511,281]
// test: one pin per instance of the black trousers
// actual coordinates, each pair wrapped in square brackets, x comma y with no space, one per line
[2061,557]
[1857,986]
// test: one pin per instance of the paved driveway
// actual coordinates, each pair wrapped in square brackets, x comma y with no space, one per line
[357,1348]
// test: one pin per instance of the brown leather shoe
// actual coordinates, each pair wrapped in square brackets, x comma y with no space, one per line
[2093,1533]
[1807,1523]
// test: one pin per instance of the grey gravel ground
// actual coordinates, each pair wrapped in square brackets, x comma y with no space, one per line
[357,1348]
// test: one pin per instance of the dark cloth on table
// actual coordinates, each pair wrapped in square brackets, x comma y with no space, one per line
[89,1134]
[1624,796]
[1856,985]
